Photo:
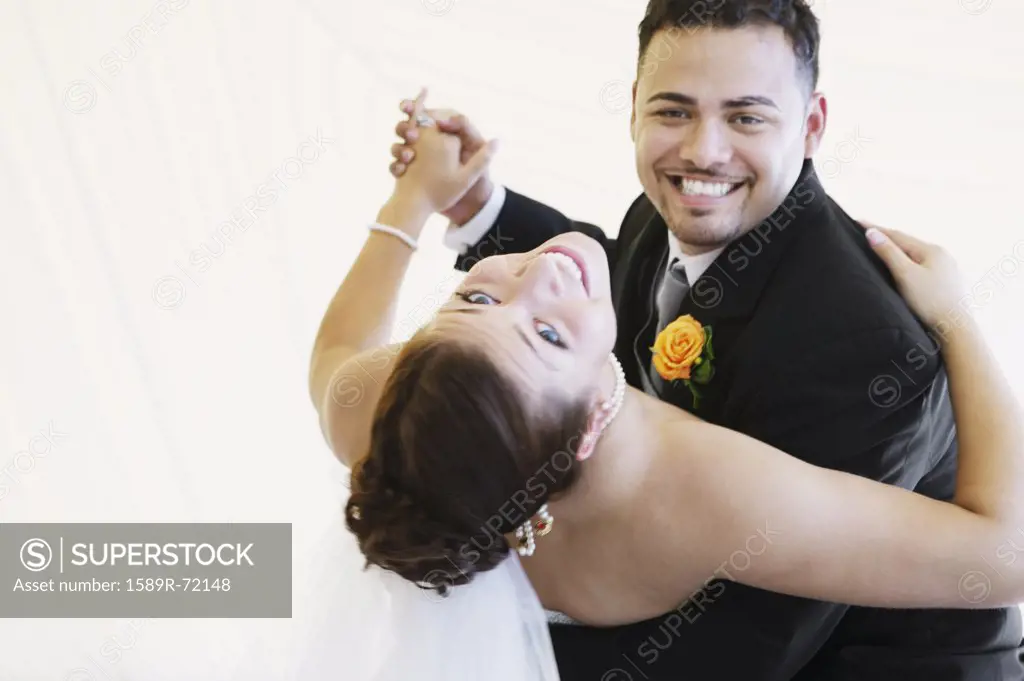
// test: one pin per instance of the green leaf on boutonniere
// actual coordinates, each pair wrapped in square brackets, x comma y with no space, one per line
[702,373]
[694,392]
[708,349]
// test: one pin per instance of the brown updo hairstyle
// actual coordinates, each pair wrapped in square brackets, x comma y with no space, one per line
[456,460]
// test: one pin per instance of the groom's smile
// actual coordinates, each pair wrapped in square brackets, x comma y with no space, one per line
[702,192]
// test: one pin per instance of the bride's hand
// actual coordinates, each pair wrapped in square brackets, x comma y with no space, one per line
[926,275]
[439,177]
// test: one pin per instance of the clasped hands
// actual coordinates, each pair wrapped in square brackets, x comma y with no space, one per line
[443,167]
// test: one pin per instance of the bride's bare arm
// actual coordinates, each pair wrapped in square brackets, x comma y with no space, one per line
[833,536]
[351,356]
[349,397]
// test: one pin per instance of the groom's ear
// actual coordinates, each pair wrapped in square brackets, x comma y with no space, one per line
[817,117]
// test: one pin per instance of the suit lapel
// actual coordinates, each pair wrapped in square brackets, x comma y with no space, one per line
[632,293]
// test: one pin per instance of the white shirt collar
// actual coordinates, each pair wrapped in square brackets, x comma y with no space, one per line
[695,265]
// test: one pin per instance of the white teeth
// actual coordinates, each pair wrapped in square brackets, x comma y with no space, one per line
[700,188]
[577,272]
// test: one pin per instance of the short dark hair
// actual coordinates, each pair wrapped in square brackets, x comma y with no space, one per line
[793,16]
[457,459]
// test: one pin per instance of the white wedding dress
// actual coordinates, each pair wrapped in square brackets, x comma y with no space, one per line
[371,625]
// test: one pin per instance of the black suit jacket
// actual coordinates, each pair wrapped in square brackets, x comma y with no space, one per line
[818,355]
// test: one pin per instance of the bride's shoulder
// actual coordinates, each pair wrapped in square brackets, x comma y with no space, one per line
[692,451]
[684,443]
[669,418]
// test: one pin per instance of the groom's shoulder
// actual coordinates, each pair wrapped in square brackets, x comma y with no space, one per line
[831,285]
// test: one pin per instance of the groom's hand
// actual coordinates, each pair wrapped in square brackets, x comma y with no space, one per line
[471,141]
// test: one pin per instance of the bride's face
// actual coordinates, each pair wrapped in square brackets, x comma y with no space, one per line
[544,317]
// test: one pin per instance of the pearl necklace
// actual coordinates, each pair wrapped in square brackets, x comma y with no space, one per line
[610,407]
[527,533]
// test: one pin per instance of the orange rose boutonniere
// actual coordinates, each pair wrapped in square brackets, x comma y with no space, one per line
[683,351]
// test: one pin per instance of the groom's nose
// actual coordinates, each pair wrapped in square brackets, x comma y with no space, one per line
[706,145]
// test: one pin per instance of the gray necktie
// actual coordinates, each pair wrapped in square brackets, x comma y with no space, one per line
[674,287]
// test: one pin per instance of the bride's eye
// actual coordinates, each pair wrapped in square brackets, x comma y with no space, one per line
[549,334]
[476,298]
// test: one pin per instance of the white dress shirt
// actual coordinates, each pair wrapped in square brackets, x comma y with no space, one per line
[695,265]
[461,239]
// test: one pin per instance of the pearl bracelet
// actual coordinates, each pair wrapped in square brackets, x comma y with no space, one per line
[387,229]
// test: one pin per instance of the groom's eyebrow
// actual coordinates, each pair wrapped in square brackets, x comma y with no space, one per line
[674,97]
[749,100]
[735,103]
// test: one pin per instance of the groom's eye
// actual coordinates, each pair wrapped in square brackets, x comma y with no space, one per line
[748,120]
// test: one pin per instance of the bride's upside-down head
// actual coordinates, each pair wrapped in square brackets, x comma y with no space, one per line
[458,458]
[479,422]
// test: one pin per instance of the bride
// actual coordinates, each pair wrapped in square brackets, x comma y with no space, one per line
[501,467]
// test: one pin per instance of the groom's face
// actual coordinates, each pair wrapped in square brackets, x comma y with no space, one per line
[722,122]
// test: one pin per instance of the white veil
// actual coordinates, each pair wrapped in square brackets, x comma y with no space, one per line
[372,625]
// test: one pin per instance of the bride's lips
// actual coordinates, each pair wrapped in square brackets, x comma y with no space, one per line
[576,258]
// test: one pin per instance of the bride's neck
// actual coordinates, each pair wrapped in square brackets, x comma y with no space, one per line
[617,469]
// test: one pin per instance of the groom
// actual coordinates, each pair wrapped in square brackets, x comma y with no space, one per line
[814,352]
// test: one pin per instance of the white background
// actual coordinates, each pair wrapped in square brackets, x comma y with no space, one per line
[185,399]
